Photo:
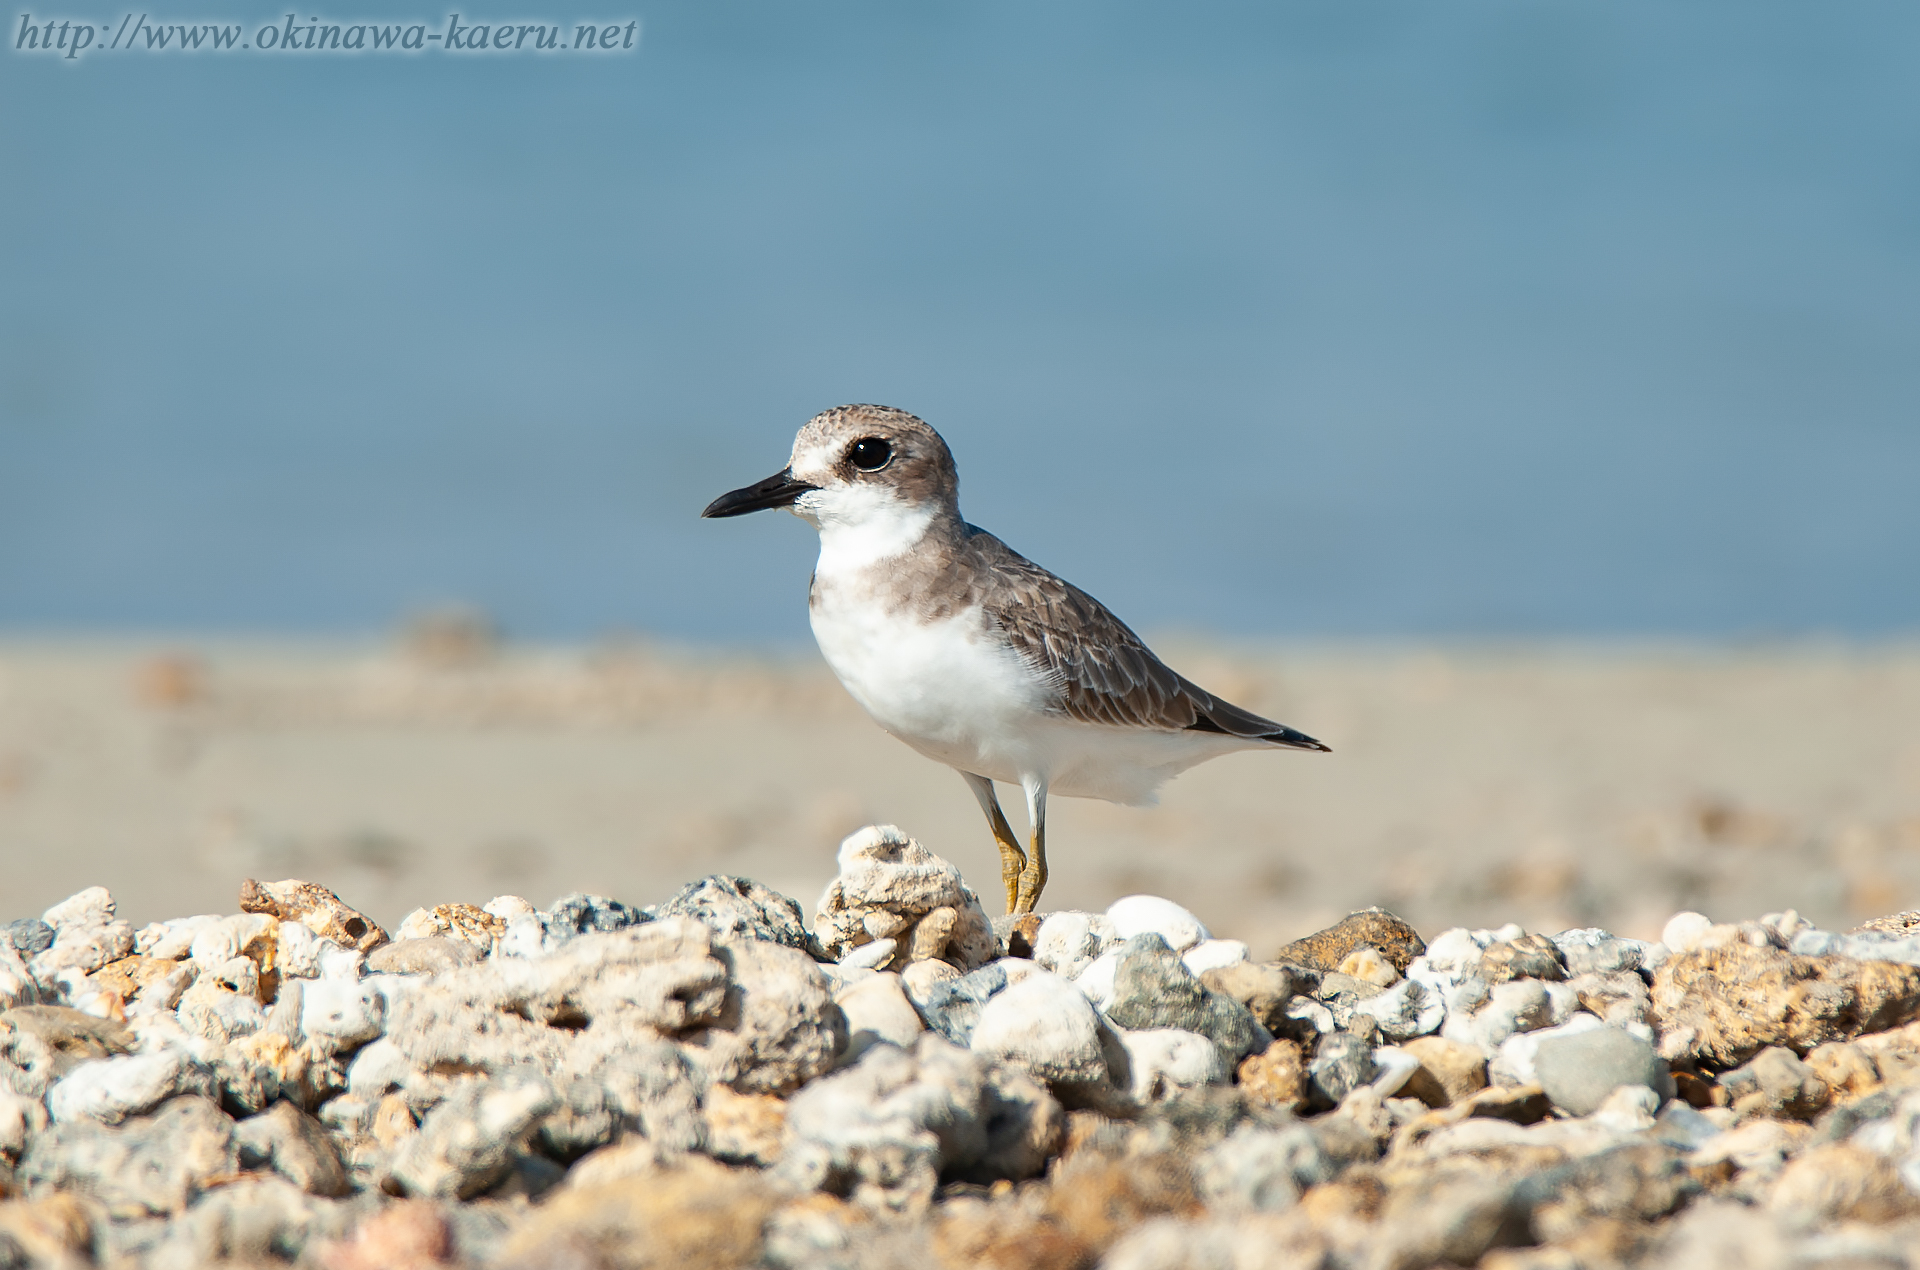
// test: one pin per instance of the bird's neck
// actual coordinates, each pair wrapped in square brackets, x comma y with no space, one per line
[883,533]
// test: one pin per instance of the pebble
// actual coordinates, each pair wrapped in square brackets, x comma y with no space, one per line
[877,1010]
[1149,914]
[1448,1072]
[1163,1063]
[1152,988]
[462,922]
[952,1007]
[1276,1077]
[1685,929]
[1405,1010]
[1158,1100]
[1376,928]
[316,908]
[1097,980]
[1264,988]
[1776,1083]
[1592,951]
[1527,957]
[1213,954]
[30,935]
[1067,942]
[1366,964]
[1044,1025]
[423,955]
[1341,1063]
[891,887]
[293,1144]
[1579,1069]
[741,908]
[467,1143]
[1724,1004]
[338,1016]
[579,914]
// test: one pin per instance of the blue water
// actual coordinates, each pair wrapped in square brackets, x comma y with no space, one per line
[1377,317]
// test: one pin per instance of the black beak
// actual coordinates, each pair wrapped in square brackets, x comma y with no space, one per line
[778,490]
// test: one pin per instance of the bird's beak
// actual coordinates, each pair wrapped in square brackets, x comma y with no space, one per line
[778,490]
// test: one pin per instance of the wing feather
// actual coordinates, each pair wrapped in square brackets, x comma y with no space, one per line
[1104,673]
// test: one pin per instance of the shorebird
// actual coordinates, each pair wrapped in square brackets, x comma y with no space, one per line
[971,653]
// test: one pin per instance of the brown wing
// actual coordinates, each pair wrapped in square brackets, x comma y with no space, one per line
[1104,672]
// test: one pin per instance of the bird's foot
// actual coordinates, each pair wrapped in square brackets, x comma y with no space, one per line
[1032,880]
[1013,865]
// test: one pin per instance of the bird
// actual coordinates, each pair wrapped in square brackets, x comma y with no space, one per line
[972,654]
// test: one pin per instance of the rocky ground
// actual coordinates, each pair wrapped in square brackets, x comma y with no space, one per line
[715,1082]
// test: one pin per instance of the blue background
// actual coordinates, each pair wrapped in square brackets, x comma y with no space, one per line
[1305,319]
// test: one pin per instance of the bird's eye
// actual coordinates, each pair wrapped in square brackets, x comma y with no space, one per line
[870,454]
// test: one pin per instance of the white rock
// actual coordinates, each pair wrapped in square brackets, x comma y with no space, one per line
[111,1089]
[508,907]
[212,1010]
[20,1118]
[1684,929]
[1453,953]
[1213,954]
[868,956]
[1304,1008]
[16,984]
[1096,981]
[1254,1169]
[1166,1061]
[1068,941]
[238,973]
[1017,968]
[889,885]
[301,951]
[377,1069]
[1628,1109]
[1137,914]
[1406,1010]
[1044,1024]
[338,1014]
[91,907]
[877,1011]
[172,940]
[223,940]
[82,947]
[1522,1005]
[920,976]
[80,993]
[341,965]
[1392,1067]
[525,937]
[1563,1002]
[1512,1062]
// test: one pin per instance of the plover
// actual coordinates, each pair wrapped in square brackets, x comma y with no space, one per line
[971,653]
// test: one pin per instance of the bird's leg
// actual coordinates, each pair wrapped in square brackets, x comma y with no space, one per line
[1033,878]
[1013,861]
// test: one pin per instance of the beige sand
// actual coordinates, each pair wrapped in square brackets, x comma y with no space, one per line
[1556,786]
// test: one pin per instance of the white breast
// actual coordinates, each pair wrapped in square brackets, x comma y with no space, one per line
[949,688]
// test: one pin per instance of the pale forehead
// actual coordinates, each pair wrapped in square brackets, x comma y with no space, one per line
[828,431]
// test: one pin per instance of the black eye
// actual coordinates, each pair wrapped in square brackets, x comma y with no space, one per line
[870,454]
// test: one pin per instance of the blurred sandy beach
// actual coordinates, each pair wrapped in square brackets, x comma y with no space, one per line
[1557,785]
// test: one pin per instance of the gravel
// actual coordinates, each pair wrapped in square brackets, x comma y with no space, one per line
[712,1081]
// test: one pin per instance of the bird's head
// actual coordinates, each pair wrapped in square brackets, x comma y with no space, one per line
[857,467]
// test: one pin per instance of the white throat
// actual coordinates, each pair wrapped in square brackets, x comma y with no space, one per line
[862,525]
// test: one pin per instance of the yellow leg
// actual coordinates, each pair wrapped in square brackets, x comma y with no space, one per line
[1013,861]
[1033,878]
